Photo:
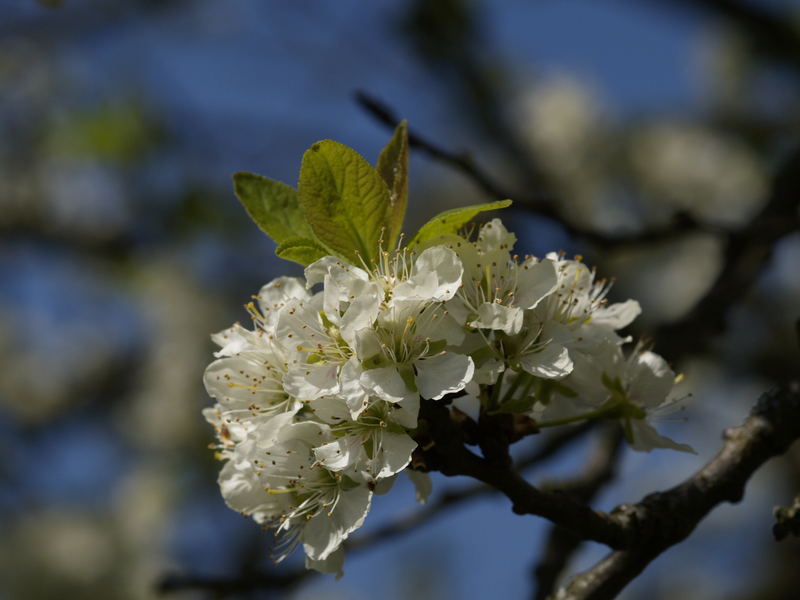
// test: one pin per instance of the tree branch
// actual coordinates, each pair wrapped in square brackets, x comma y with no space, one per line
[556,442]
[787,520]
[664,519]
[561,543]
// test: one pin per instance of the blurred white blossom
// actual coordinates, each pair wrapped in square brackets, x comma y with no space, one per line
[705,173]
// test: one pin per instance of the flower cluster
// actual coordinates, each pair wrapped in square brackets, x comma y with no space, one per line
[316,406]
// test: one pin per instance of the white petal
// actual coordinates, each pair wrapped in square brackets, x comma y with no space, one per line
[493,235]
[445,327]
[650,380]
[316,271]
[436,275]
[271,430]
[396,449]
[330,265]
[618,315]
[342,290]
[308,382]
[386,383]
[586,378]
[334,564]
[331,410]
[552,362]
[645,438]
[234,340]
[244,493]
[535,280]
[406,411]
[422,483]
[274,296]
[469,404]
[243,379]
[383,486]
[367,343]
[443,374]
[324,533]
[458,310]
[304,435]
[340,454]
[299,321]
[351,390]
[496,316]
[360,314]
[487,372]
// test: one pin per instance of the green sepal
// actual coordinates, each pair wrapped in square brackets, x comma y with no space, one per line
[313,358]
[326,322]
[521,404]
[368,447]
[393,168]
[618,395]
[627,428]
[348,483]
[375,362]
[481,354]
[300,250]
[407,374]
[450,221]
[393,427]
[562,389]
[435,347]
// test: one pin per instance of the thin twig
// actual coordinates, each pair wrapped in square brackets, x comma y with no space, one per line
[460,162]
[447,453]
[545,205]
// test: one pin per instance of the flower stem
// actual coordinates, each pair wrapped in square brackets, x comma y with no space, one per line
[493,401]
[509,395]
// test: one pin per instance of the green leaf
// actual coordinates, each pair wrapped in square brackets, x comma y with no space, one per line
[393,167]
[450,221]
[301,250]
[345,200]
[273,206]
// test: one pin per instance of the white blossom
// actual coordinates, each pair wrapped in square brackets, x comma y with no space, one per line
[576,315]
[404,355]
[316,407]
[634,390]
[373,446]
[280,484]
